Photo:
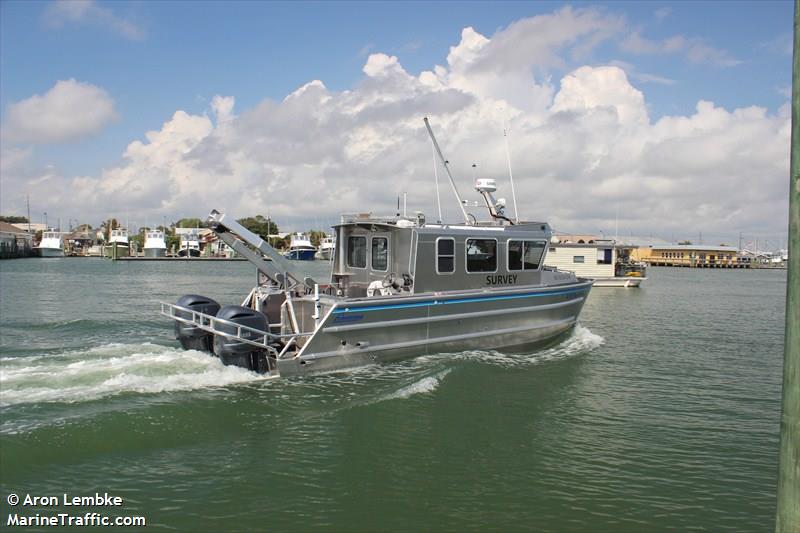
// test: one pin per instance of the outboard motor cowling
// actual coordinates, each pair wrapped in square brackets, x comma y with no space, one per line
[235,352]
[192,337]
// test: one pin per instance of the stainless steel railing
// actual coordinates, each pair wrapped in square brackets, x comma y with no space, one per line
[246,334]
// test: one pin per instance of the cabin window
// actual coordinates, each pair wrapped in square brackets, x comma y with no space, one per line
[380,253]
[525,255]
[357,252]
[445,256]
[577,259]
[481,255]
[604,256]
[533,255]
[515,255]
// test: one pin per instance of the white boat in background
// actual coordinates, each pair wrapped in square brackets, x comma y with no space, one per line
[326,247]
[52,245]
[607,262]
[154,244]
[300,248]
[190,245]
[118,244]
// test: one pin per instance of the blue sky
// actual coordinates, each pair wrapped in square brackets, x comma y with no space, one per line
[154,58]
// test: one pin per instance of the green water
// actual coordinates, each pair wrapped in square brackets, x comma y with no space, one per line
[659,413]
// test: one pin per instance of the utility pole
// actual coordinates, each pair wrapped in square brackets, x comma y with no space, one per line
[787,516]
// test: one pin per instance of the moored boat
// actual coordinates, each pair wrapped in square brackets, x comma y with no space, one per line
[606,262]
[326,247]
[118,244]
[300,248]
[52,244]
[154,244]
[190,245]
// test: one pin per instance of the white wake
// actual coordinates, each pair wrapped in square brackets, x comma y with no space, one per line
[110,370]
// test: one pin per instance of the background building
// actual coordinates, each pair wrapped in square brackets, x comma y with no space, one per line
[694,255]
[14,242]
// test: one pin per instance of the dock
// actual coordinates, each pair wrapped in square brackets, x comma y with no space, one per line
[191,259]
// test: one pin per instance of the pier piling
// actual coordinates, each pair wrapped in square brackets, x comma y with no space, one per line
[787,517]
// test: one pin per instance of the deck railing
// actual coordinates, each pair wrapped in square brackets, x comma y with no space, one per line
[212,324]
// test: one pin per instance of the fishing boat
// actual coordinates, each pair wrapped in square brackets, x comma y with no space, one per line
[190,244]
[605,261]
[326,248]
[300,248]
[52,244]
[154,244]
[400,287]
[118,244]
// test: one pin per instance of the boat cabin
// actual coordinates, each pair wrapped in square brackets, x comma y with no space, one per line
[119,235]
[407,255]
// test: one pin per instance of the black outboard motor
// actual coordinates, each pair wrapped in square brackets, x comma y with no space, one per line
[235,352]
[191,337]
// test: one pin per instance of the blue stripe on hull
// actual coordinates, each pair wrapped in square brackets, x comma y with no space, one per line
[457,301]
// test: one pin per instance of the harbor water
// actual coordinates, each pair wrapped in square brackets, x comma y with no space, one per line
[660,412]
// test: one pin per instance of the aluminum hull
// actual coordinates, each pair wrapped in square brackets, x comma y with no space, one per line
[366,331]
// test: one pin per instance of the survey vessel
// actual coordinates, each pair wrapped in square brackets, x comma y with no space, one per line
[400,287]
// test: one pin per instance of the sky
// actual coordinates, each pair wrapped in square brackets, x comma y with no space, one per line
[663,119]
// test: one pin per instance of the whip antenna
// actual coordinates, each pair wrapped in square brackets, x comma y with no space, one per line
[511,176]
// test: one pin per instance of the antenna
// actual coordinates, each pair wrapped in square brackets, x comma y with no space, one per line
[447,168]
[436,179]
[511,176]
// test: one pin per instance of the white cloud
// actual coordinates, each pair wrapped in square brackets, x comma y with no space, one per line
[781,44]
[70,110]
[652,78]
[695,49]
[580,146]
[590,88]
[641,77]
[223,108]
[662,13]
[88,12]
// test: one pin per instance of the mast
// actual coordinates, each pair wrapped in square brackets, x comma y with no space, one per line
[449,175]
[511,176]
